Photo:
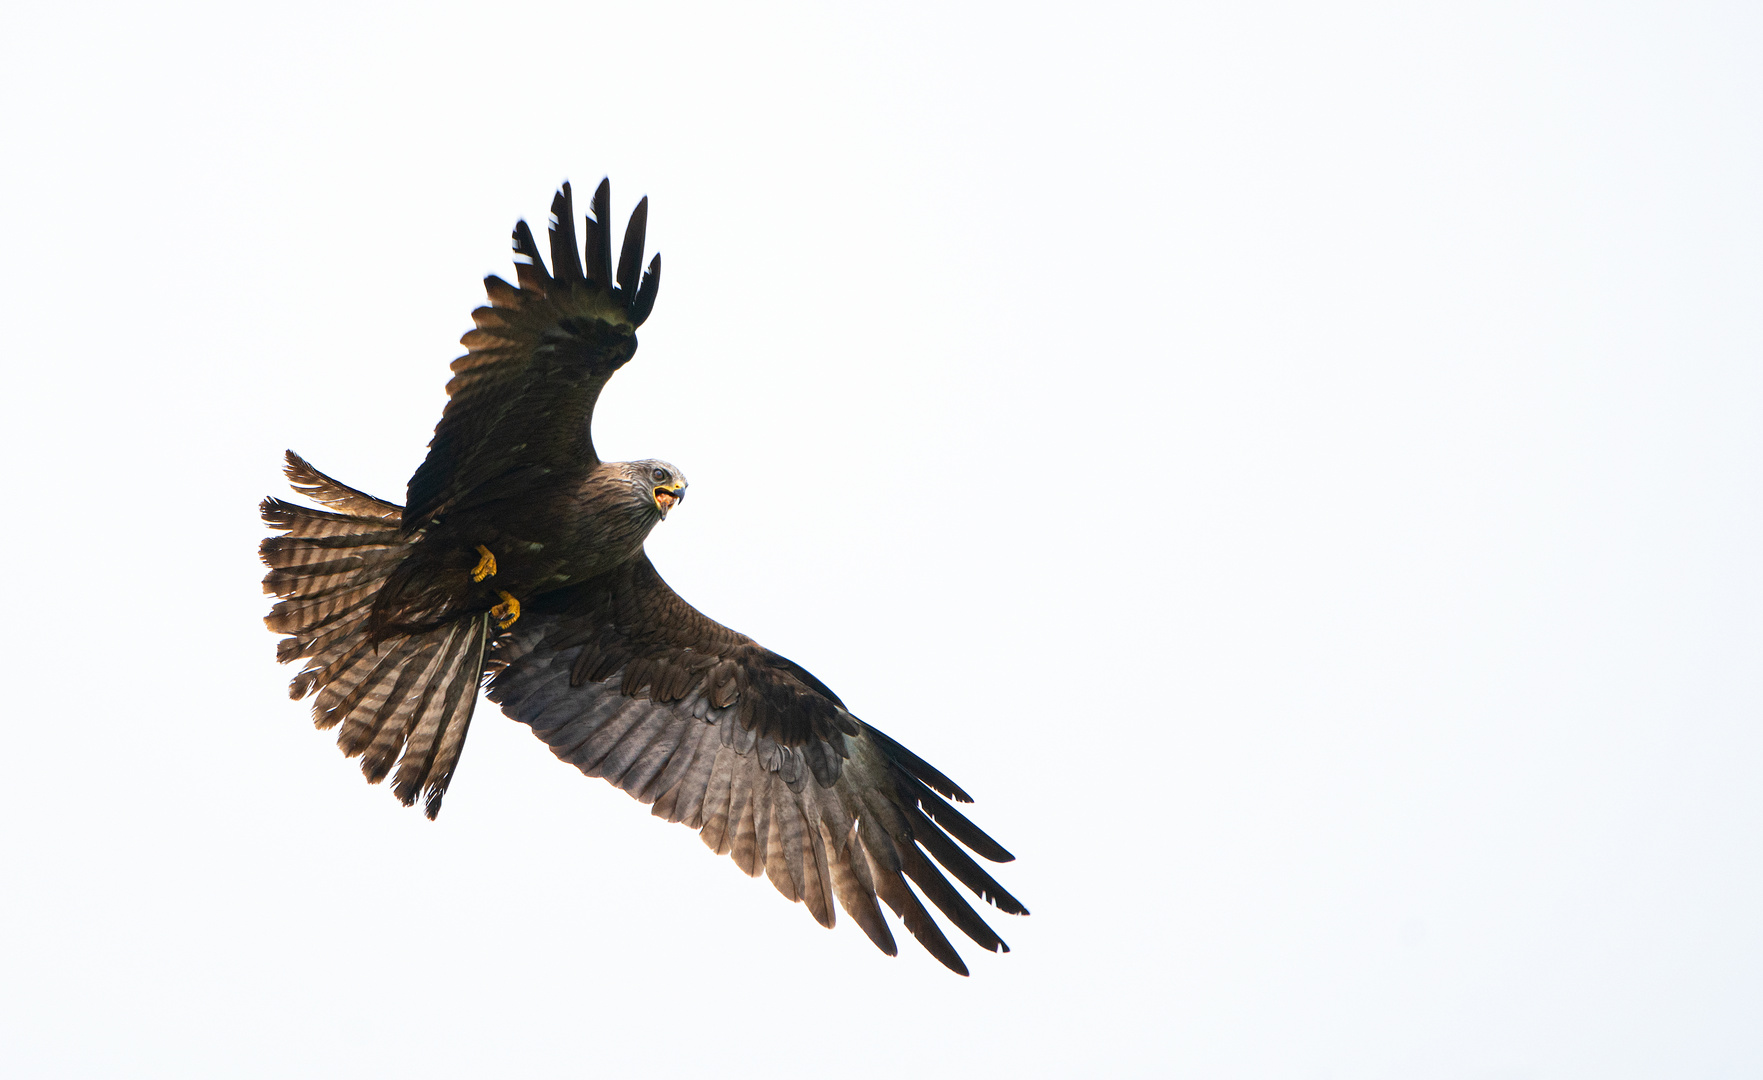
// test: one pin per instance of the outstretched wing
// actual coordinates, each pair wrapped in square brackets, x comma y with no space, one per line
[522,397]
[626,681]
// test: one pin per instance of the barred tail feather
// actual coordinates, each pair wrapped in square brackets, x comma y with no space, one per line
[403,701]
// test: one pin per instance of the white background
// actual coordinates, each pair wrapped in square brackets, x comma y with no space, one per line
[1298,466]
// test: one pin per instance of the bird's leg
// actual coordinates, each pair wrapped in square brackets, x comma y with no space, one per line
[486,566]
[507,611]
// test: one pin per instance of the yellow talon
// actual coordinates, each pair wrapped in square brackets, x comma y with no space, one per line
[507,611]
[486,567]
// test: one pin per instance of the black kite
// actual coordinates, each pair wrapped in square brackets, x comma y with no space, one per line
[519,554]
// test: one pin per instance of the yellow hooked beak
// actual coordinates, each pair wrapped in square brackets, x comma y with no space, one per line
[666,496]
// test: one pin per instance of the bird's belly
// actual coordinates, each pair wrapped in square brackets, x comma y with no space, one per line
[555,551]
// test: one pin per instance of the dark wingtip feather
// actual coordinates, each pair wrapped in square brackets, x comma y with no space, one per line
[599,255]
[524,245]
[630,259]
[919,768]
[940,848]
[645,299]
[566,264]
[937,890]
[892,890]
[530,273]
[957,824]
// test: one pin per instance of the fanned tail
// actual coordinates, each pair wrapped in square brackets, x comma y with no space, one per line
[404,700]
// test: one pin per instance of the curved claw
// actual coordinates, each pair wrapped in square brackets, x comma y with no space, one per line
[507,611]
[486,566]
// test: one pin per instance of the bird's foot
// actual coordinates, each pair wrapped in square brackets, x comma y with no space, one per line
[507,611]
[486,566]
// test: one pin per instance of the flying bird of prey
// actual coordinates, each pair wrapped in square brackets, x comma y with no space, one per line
[518,554]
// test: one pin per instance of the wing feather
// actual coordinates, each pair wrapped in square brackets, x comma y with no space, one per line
[600,240]
[718,795]
[529,268]
[631,258]
[958,862]
[892,889]
[656,752]
[817,891]
[566,261]
[593,750]
[938,891]
[743,839]
[679,775]
[644,302]
[653,723]
[855,890]
[694,786]
[784,873]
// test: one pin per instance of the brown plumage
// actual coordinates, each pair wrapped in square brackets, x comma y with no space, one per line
[519,554]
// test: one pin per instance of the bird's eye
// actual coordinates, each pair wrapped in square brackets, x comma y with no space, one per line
[660,474]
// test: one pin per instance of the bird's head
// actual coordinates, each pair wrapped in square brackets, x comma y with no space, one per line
[665,485]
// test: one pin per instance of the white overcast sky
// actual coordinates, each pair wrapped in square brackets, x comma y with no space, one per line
[1298,466]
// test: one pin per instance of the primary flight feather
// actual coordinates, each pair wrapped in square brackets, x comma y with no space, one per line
[518,554]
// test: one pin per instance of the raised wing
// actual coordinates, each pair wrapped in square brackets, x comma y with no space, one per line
[521,400]
[626,681]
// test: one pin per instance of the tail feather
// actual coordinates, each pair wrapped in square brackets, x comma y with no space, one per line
[320,488]
[323,578]
[329,655]
[374,698]
[389,737]
[303,613]
[402,698]
[305,523]
[443,717]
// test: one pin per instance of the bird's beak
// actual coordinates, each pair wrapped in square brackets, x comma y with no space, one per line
[666,496]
